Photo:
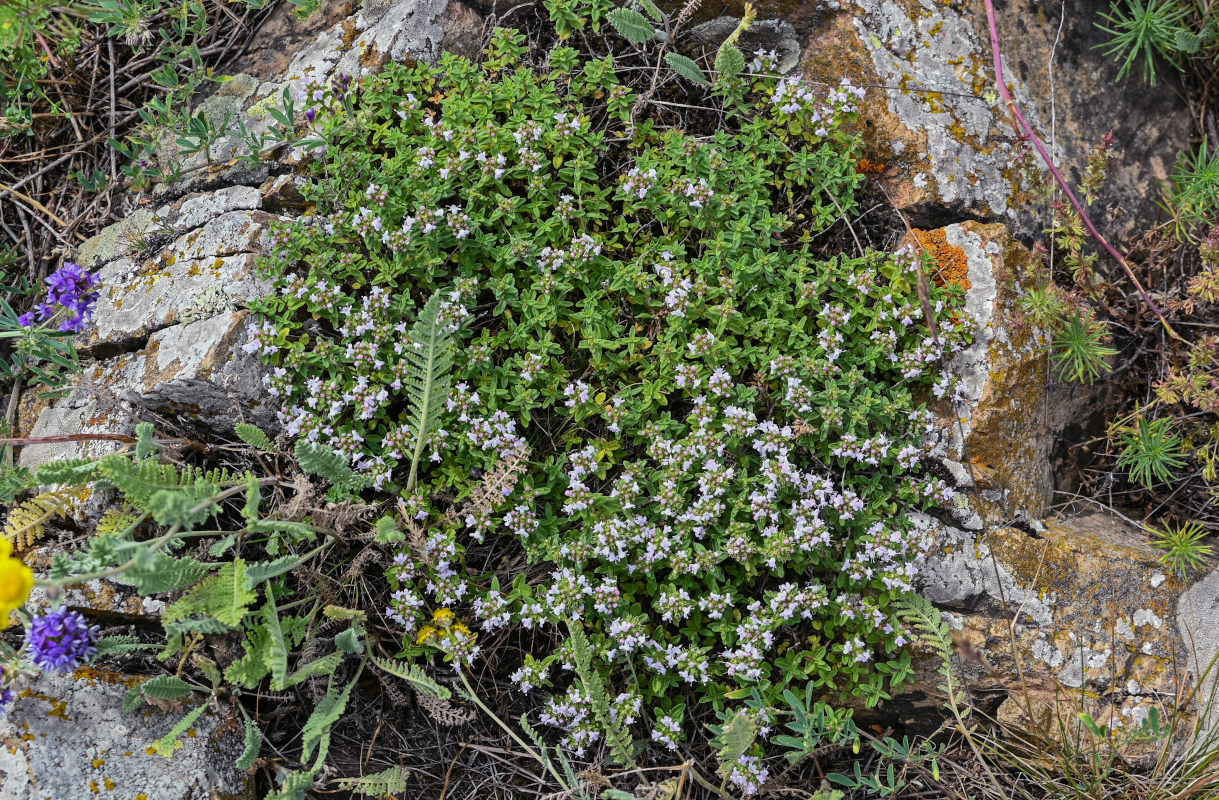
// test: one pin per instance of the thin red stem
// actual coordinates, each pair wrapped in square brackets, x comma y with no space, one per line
[1028,131]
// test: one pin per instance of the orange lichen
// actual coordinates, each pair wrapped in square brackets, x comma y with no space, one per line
[867,167]
[952,263]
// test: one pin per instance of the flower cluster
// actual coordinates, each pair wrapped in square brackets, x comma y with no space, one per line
[72,292]
[688,405]
[61,640]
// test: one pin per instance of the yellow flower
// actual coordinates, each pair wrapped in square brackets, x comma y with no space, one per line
[426,635]
[16,581]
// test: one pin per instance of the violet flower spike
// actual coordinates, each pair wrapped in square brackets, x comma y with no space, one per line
[61,640]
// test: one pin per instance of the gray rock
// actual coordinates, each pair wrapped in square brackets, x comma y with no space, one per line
[764,35]
[933,119]
[1196,614]
[67,737]
[205,272]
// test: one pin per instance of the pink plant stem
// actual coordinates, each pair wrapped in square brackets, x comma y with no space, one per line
[1028,131]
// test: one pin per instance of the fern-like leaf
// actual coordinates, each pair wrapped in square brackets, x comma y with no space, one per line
[253,745]
[416,677]
[162,687]
[117,645]
[222,597]
[254,437]
[317,459]
[69,472]
[317,728]
[171,742]
[633,26]
[27,521]
[729,61]
[159,573]
[735,740]
[145,445]
[616,736]
[686,67]
[386,782]
[429,358]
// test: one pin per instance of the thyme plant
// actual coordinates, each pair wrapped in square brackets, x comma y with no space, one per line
[708,431]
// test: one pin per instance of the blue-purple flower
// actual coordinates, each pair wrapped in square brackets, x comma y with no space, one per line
[71,288]
[61,640]
[7,696]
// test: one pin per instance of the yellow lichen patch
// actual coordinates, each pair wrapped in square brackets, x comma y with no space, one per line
[952,263]
[104,675]
[98,763]
[109,784]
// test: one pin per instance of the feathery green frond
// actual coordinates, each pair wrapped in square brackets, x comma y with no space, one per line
[254,437]
[429,356]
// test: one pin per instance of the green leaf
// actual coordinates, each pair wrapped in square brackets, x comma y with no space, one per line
[325,665]
[169,743]
[277,648]
[145,447]
[380,784]
[254,437]
[223,597]
[349,641]
[260,571]
[317,728]
[413,675]
[633,26]
[729,61]
[652,11]
[253,745]
[687,68]
[387,531]
[162,687]
[317,459]
[117,645]
[428,357]
[156,573]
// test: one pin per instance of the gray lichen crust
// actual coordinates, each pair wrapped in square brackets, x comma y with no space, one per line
[67,738]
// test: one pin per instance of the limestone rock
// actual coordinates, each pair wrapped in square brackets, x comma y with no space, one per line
[196,374]
[1079,607]
[205,272]
[67,737]
[934,120]
[996,434]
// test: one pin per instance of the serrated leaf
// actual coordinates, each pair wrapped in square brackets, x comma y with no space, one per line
[387,531]
[633,26]
[1188,42]
[222,546]
[729,61]
[652,11]
[162,687]
[117,645]
[326,665]
[162,573]
[379,784]
[223,597]
[254,437]
[413,675]
[687,68]
[145,447]
[261,571]
[277,647]
[428,358]
[327,712]
[253,745]
[169,743]
[349,641]
[253,499]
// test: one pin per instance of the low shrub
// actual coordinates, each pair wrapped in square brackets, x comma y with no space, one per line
[705,434]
